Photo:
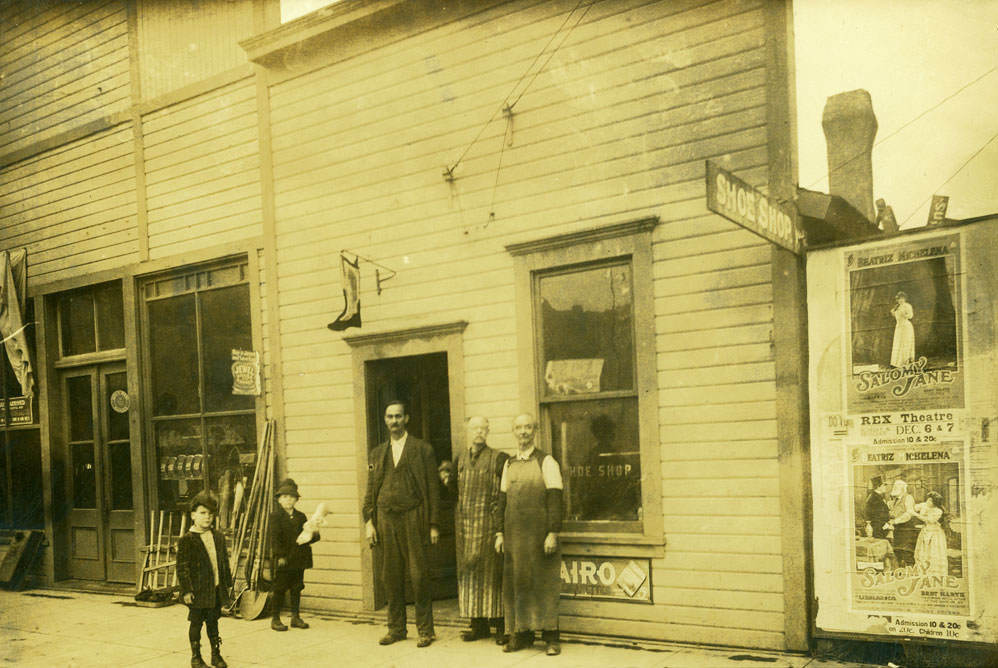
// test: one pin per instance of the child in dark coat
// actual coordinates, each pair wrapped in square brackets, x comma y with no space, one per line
[290,558]
[204,577]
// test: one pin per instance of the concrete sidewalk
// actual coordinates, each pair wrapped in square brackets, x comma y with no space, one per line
[55,629]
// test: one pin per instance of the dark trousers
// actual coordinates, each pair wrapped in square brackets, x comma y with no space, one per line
[405,551]
[291,581]
[204,616]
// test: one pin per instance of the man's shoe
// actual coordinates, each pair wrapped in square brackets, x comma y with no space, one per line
[298,623]
[513,644]
[501,638]
[277,624]
[553,649]
[391,638]
[424,641]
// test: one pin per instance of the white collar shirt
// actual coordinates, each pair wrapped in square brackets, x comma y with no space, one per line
[397,447]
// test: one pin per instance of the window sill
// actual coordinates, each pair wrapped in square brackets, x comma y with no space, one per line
[612,544]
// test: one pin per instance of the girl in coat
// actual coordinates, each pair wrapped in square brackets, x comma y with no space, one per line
[290,557]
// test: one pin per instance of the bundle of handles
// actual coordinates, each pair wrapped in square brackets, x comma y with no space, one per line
[252,532]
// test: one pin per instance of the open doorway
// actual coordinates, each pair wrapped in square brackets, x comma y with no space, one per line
[422,382]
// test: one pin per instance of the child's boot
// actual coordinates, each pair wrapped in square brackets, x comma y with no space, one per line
[276,601]
[296,620]
[196,660]
[216,653]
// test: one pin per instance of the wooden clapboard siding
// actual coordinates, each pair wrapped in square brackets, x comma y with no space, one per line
[183,42]
[616,127]
[202,167]
[64,64]
[73,207]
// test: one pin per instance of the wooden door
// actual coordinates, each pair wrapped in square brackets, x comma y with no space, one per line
[99,486]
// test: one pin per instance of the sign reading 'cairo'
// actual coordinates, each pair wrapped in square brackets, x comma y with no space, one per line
[741,203]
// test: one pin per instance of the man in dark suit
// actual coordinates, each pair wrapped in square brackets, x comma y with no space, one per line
[876,511]
[401,508]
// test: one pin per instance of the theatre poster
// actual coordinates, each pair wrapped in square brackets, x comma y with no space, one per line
[902,352]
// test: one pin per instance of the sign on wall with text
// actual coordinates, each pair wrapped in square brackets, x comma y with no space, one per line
[901,343]
[606,578]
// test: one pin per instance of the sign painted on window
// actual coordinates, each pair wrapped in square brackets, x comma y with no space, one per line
[615,578]
[740,203]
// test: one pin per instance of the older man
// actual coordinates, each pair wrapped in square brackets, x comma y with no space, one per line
[477,473]
[401,511]
[529,519]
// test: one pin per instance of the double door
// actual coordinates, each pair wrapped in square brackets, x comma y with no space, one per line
[99,485]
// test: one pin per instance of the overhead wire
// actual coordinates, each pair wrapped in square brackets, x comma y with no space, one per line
[952,176]
[449,171]
[905,125]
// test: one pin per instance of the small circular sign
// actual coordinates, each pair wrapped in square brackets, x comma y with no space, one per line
[120,402]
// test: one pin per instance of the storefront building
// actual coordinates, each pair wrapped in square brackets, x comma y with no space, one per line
[521,185]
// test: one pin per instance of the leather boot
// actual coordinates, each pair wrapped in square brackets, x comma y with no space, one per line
[216,653]
[196,660]
[277,624]
[297,622]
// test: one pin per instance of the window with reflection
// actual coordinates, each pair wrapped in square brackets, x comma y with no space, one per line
[91,319]
[204,427]
[21,505]
[589,402]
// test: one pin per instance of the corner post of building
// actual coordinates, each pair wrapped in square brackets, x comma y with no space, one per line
[789,336]
[266,16]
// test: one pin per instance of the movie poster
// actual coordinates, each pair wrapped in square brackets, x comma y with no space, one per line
[904,326]
[908,533]
[902,338]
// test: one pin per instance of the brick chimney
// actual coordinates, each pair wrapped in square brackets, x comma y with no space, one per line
[850,127]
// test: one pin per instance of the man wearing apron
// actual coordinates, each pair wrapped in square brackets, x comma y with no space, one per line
[528,522]
[479,569]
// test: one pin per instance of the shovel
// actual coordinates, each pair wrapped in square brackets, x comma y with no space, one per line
[253,602]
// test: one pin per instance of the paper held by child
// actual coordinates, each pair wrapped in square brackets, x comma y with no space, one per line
[312,525]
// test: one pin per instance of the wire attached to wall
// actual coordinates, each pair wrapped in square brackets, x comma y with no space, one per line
[506,106]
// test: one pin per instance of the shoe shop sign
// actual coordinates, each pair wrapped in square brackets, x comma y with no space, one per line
[740,203]
[606,578]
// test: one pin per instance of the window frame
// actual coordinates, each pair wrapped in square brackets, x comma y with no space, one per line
[192,275]
[8,520]
[98,353]
[630,242]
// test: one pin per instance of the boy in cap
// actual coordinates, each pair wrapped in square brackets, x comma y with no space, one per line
[204,577]
[291,556]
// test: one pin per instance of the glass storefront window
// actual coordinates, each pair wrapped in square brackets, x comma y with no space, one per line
[174,355]
[589,403]
[205,432]
[596,443]
[586,337]
[21,505]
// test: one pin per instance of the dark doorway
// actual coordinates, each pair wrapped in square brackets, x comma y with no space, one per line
[421,381]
